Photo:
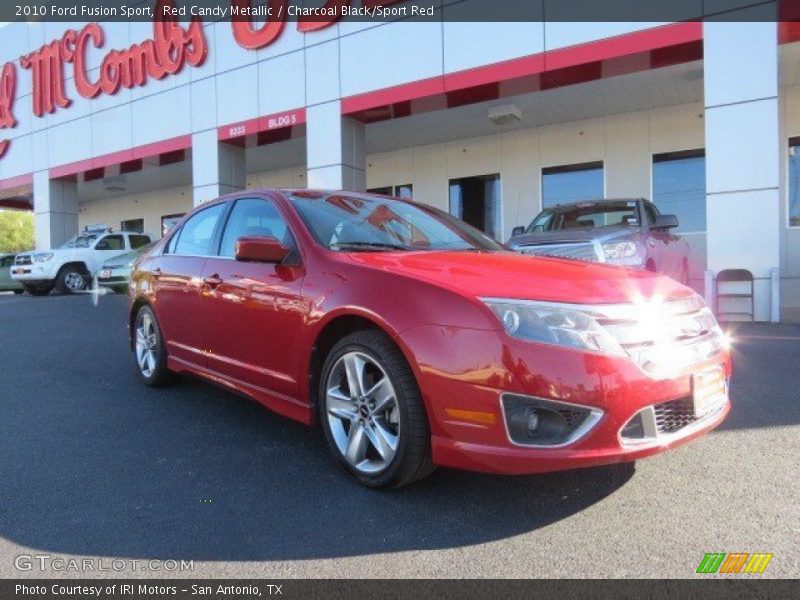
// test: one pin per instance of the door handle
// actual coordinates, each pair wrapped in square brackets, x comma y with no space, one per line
[213,281]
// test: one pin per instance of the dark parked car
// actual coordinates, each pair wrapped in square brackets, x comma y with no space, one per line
[631,233]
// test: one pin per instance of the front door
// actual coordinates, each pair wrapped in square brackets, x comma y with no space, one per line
[177,280]
[257,308]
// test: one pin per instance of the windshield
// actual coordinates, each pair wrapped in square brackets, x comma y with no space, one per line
[131,256]
[587,216]
[375,223]
[81,241]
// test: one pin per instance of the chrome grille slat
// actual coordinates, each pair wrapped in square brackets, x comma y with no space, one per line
[674,415]
[580,251]
[23,259]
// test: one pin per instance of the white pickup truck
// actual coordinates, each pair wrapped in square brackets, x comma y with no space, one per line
[71,267]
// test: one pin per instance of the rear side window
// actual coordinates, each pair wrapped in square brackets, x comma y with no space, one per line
[137,241]
[111,242]
[196,235]
[254,217]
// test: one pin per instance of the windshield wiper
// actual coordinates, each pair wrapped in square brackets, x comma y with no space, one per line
[370,246]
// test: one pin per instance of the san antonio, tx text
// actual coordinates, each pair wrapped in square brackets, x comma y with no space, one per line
[146,590]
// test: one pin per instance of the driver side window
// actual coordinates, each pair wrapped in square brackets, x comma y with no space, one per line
[254,217]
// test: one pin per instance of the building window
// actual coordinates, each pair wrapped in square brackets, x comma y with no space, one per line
[405,190]
[136,225]
[476,200]
[570,183]
[679,188]
[169,221]
[794,182]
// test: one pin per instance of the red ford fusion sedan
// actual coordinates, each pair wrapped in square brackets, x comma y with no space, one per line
[415,340]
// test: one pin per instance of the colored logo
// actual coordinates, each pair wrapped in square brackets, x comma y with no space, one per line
[735,562]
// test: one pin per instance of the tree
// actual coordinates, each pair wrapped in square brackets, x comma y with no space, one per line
[16,231]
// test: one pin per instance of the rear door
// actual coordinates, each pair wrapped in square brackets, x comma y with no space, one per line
[258,309]
[177,281]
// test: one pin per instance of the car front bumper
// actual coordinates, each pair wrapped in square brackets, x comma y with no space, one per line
[463,391]
[33,273]
[116,277]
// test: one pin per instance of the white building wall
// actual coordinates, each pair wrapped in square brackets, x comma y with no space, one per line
[743,154]
[150,206]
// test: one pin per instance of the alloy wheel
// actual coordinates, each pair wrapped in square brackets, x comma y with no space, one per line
[362,412]
[74,281]
[146,345]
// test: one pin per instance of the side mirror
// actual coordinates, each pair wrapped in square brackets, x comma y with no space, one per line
[518,230]
[665,222]
[260,249]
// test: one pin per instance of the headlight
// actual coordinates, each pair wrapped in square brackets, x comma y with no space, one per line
[550,323]
[663,337]
[42,257]
[624,253]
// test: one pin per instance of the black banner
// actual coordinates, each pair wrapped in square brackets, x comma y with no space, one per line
[413,589]
[323,11]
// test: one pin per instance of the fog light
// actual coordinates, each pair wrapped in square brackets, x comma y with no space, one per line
[540,422]
[634,430]
[533,422]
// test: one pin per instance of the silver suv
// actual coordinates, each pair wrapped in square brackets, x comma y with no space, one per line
[624,232]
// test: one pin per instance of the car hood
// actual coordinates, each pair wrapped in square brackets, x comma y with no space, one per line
[572,235]
[69,253]
[513,275]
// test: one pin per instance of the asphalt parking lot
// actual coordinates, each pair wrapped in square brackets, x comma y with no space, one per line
[92,463]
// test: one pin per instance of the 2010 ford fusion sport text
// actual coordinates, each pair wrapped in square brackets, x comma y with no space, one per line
[414,340]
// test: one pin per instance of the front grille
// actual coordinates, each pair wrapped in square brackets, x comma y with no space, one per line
[665,338]
[23,259]
[674,415]
[581,251]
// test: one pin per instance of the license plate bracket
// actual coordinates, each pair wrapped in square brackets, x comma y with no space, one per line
[709,390]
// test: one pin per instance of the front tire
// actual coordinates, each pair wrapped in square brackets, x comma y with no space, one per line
[38,290]
[71,279]
[18,292]
[149,349]
[372,412]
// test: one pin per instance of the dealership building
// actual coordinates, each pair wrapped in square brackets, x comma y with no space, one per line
[133,124]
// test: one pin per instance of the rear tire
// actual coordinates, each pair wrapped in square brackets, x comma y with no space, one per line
[38,290]
[378,432]
[71,279]
[149,350]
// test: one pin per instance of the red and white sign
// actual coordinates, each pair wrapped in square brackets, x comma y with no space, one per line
[170,49]
[8,93]
[267,123]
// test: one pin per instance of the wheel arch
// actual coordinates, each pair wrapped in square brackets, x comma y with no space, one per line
[136,305]
[75,263]
[334,327]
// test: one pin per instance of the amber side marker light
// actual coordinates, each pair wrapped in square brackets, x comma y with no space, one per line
[472,416]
